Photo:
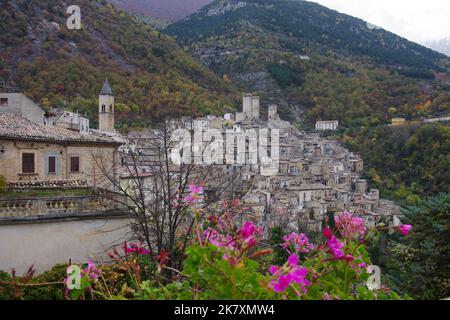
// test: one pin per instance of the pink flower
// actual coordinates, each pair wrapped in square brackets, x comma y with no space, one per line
[218,240]
[282,283]
[327,233]
[274,269]
[298,276]
[189,199]
[135,248]
[247,230]
[361,267]
[326,296]
[405,229]
[297,243]
[350,226]
[144,251]
[290,273]
[335,247]
[248,233]
[91,270]
[194,189]
[293,260]
[251,242]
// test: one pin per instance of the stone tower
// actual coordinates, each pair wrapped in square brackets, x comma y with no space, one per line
[250,107]
[106,108]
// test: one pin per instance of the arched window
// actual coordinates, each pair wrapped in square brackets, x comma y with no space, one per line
[103,108]
[110,108]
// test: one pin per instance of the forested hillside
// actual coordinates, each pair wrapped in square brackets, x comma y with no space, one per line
[316,62]
[148,71]
[406,162]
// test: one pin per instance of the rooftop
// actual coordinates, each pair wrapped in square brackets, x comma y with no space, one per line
[14,127]
[106,90]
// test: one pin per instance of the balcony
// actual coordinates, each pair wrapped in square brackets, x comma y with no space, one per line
[35,205]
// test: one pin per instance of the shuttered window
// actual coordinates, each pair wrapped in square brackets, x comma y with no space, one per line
[28,163]
[75,164]
[51,164]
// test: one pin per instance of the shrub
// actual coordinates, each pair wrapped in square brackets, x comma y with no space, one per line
[2,184]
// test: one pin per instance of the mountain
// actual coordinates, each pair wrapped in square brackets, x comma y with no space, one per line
[442,45]
[148,71]
[315,62]
[171,10]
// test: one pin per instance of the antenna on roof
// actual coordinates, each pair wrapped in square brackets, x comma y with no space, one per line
[7,87]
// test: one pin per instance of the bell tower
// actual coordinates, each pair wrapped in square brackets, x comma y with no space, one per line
[106,108]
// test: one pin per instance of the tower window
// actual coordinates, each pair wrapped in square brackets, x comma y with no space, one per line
[110,108]
[103,108]
[3,102]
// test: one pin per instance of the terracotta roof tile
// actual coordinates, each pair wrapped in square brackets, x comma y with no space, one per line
[13,126]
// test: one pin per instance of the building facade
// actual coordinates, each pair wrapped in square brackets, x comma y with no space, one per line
[34,152]
[67,120]
[20,104]
[327,125]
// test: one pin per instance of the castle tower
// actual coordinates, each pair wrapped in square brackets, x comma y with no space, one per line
[255,108]
[106,108]
[273,113]
[247,106]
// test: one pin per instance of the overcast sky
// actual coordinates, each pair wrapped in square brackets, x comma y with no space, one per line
[416,20]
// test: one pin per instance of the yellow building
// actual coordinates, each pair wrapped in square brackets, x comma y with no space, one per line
[398,121]
[31,152]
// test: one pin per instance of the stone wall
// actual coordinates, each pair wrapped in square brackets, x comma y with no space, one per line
[46,243]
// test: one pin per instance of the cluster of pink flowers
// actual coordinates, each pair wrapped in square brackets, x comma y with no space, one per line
[219,240]
[128,249]
[91,270]
[350,226]
[248,233]
[405,229]
[245,239]
[297,243]
[195,194]
[134,248]
[290,273]
[335,247]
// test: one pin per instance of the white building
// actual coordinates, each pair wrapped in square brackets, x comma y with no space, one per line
[327,125]
[68,120]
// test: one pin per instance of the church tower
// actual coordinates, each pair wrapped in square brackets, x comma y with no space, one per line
[106,108]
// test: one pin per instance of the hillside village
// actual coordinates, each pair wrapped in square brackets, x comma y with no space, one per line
[58,150]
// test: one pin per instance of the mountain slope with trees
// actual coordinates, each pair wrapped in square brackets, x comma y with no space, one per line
[148,71]
[315,62]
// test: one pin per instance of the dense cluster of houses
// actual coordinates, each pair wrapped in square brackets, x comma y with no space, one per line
[315,175]
[58,150]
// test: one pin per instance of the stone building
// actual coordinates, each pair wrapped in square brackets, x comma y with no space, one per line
[35,152]
[80,216]
[327,125]
[106,108]
[68,120]
[20,104]
[314,175]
